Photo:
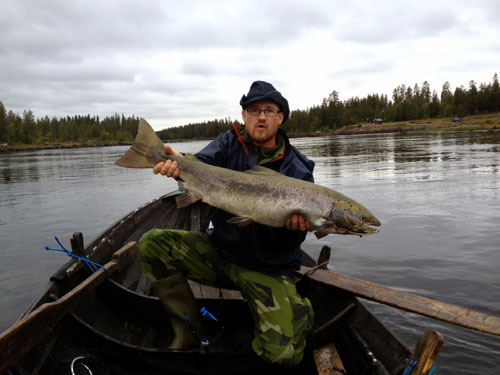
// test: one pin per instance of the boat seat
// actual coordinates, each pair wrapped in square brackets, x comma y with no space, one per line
[210,292]
[199,290]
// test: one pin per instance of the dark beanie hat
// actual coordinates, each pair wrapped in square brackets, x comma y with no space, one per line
[261,90]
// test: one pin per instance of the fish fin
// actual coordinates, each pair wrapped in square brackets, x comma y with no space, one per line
[263,171]
[186,199]
[241,221]
[190,157]
[320,235]
[145,145]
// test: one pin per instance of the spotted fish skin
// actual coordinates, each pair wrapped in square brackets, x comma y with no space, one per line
[259,195]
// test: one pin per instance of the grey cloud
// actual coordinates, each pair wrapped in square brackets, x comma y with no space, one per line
[395,22]
[369,64]
[61,26]
[172,59]
[200,67]
[92,71]
[249,62]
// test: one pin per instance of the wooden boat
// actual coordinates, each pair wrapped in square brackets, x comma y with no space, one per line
[120,328]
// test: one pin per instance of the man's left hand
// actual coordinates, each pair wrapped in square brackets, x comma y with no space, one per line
[298,222]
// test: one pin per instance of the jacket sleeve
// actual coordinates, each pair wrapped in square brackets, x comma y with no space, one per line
[216,152]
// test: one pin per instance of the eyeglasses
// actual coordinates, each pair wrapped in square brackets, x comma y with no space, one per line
[255,111]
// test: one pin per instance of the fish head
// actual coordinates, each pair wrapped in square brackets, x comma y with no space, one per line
[350,218]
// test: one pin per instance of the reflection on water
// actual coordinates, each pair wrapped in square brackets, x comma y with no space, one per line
[436,194]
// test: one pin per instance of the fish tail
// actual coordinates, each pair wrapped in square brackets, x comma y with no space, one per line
[146,151]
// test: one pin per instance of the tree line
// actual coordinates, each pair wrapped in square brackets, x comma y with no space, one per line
[407,103]
[202,130]
[26,130]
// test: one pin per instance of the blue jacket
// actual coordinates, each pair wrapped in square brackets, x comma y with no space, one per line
[255,246]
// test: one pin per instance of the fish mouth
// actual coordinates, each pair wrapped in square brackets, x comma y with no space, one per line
[359,230]
[361,227]
[367,230]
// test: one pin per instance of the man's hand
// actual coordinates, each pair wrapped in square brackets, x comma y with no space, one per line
[298,222]
[168,168]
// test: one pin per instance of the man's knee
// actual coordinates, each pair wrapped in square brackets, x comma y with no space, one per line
[277,348]
[152,247]
[147,242]
[284,343]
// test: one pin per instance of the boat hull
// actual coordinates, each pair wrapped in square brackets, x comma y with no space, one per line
[121,328]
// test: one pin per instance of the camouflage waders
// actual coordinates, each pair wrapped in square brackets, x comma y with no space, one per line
[283,318]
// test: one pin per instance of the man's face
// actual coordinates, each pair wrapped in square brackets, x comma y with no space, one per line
[262,129]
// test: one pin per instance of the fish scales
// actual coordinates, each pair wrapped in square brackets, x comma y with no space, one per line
[260,195]
[269,200]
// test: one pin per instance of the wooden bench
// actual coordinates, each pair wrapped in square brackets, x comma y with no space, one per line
[210,292]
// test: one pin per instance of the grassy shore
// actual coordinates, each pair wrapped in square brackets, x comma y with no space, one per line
[477,122]
[5,148]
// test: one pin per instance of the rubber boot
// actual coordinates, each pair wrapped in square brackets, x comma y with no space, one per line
[179,302]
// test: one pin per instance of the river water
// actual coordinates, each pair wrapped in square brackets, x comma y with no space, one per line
[437,195]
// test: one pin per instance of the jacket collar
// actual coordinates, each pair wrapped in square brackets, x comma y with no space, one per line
[279,154]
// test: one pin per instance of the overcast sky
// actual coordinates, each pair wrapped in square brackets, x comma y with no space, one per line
[176,62]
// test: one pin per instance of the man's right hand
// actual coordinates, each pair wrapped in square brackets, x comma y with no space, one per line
[168,168]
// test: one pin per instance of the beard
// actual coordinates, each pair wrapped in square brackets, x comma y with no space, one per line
[261,137]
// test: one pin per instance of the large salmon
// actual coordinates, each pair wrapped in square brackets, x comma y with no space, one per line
[259,195]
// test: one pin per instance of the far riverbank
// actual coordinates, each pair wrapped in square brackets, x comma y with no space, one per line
[477,122]
[6,148]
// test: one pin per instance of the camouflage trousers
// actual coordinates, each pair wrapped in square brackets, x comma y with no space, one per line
[282,317]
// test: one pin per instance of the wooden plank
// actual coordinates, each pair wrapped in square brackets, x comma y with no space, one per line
[163,221]
[328,361]
[324,257]
[173,219]
[125,255]
[426,350]
[408,301]
[231,294]
[143,285]
[77,246]
[196,288]
[24,335]
[210,292]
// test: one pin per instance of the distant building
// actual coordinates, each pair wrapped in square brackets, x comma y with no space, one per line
[378,121]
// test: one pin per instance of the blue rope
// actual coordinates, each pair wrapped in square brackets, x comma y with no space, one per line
[88,262]
[204,312]
[410,368]
[412,365]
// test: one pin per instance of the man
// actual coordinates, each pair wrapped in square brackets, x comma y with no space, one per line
[258,260]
